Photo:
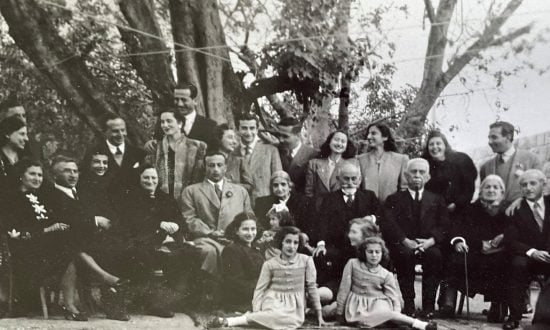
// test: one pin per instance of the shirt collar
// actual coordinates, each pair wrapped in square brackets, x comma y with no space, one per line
[65,190]
[288,262]
[190,117]
[219,183]
[112,147]
[420,193]
[251,145]
[508,153]
[540,201]
[294,151]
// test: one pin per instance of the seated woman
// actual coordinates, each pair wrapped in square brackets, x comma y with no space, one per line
[13,139]
[480,236]
[40,244]
[241,263]
[225,141]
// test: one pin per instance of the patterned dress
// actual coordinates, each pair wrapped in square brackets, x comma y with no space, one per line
[280,296]
[359,291]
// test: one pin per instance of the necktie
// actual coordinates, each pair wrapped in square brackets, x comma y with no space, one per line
[416,205]
[500,159]
[349,202]
[75,195]
[248,150]
[218,191]
[183,129]
[118,156]
[537,213]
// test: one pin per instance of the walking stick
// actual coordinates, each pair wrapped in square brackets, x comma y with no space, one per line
[467,286]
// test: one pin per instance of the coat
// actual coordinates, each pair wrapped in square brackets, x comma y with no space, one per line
[239,172]
[318,181]
[296,166]
[398,222]
[201,130]
[298,207]
[522,160]
[263,162]
[188,167]
[386,178]
[523,233]
[204,213]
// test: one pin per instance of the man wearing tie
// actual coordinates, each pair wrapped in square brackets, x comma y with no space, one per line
[415,224]
[528,241]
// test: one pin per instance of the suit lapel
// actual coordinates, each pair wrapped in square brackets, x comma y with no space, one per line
[255,156]
[424,204]
[323,173]
[210,193]
[297,159]
[527,214]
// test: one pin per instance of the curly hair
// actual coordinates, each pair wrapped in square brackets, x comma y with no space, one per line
[361,251]
[350,151]
[389,144]
[233,227]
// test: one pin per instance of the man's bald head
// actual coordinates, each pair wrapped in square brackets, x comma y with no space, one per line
[532,183]
[349,175]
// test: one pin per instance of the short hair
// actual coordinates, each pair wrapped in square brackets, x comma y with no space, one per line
[281,175]
[284,216]
[506,128]
[110,116]
[231,229]
[291,122]
[538,173]
[372,240]
[61,159]
[281,234]
[350,151]
[219,131]
[143,167]
[8,126]
[25,163]
[214,152]
[389,144]
[493,177]
[346,164]
[247,116]
[177,115]
[418,160]
[433,134]
[192,88]
[368,228]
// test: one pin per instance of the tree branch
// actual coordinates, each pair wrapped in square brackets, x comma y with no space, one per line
[512,35]
[430,10]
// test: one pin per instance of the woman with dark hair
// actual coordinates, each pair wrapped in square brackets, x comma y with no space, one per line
[13,138]
[321,172]
[94,184]
[225,141]
[382,167]
[452,173]
[41,245]
[241,263]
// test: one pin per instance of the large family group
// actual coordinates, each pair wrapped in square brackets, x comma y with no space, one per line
[263,226]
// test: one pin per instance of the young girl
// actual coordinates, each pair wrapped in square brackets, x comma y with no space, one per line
[280,295]
[241,263]
[368,293]
[278,216]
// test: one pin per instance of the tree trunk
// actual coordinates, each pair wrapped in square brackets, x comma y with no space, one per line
[197,24]
[342,24]
[32,30]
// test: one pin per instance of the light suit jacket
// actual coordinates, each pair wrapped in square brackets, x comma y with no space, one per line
[387,178]
[318,179]
[262,162]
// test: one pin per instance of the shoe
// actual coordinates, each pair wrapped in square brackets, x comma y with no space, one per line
[217,322]
[117,316]
[427,314]
[431,325]
[71,316]
[510,324]
[161,312]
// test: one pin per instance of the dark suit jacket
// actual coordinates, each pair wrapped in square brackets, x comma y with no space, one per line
[335,215]
[201,130]
[297,204]
[398,222]
[296,166]
[524,234]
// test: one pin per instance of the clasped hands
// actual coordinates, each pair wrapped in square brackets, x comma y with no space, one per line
[169,227]
[419,244]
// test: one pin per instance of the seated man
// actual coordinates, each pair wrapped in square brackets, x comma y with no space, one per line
[528,241]
[414,225]
[207,208]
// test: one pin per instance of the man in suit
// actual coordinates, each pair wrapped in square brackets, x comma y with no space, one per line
[528,241]
[194,126]
[124,158]
[294,154]
[414,225]
[330,234]
[262,159]
[508,162]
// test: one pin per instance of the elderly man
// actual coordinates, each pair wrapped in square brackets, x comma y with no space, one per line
[508,162]
[337,209]
[414,225]
[528,241]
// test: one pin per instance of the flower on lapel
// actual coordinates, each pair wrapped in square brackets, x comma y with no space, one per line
[229,194]
[519,170]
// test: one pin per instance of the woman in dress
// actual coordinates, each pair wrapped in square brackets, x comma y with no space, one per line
[321,172]
[225,141]
[13,138]
[480,236]
[382,167]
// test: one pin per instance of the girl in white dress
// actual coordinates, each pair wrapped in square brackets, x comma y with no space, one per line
[280,297]
[368,294]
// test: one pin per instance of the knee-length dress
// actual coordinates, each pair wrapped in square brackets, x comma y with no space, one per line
[280,296]
[360,289]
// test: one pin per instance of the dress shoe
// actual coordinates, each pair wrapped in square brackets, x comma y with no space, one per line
[160,312]
[117,315]
[71,316]
[431,325]
[510,324]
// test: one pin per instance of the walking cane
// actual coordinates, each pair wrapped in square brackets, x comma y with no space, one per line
[467,286]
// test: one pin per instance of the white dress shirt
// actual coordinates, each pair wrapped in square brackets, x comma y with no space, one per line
[189,121]
[112,147]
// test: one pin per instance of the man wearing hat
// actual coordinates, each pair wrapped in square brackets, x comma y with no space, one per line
[294,154]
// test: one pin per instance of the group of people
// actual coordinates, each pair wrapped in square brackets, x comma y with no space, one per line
[234,221]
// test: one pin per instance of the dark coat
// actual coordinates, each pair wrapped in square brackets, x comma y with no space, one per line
[454,179]
[298,207]
[398,222]
[524,234]
[241,268]
[296,166]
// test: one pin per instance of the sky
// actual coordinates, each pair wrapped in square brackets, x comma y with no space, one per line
[524,94]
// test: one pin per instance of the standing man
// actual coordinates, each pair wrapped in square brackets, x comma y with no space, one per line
[294,154]
[528,241]
[415,225]
[508,162]
[262,159]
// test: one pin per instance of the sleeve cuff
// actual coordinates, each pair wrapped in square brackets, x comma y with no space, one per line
[321,243]
[374,219]
[457,239]
[530,252]
[95,221]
